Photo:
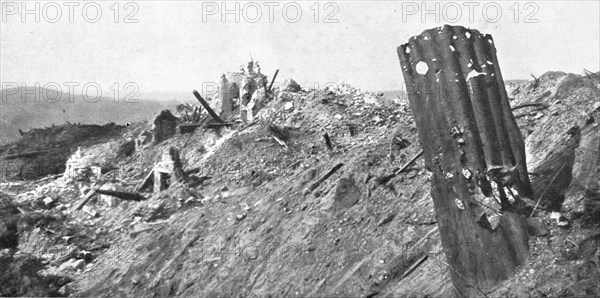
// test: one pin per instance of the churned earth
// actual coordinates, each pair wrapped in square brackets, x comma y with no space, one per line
[272,211]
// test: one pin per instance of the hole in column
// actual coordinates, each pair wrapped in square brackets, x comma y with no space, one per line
[422,68]
[459,204]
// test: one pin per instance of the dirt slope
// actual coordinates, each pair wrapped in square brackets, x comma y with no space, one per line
[253,225]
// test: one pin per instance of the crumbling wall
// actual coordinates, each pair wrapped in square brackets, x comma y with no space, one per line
[248,86]
[228,92]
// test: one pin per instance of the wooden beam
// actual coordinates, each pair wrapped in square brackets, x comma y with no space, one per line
[322,179]
[189,128]
[85,199]
[328,141]
[385,179]
[207,107]
[123,195]
[147,181]
[535,104]
[273,80]
[30,154]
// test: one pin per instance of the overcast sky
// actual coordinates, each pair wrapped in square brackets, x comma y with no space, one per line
[179,45]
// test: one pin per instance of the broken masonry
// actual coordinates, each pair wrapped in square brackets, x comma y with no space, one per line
[166,172]
[244,91]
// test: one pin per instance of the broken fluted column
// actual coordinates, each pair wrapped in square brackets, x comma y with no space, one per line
[473,148]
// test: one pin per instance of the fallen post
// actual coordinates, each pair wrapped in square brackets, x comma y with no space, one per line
[133,234]
[409,163]
[278,132]
[188,128]
[192,171]
[322,179]
[281,142]
[123,195]
[207,107]
[413,267]
[273,80]
[147,181]
[217,125]
[536,104]
[24,155]
[385,179]
[85,199]
[328,141]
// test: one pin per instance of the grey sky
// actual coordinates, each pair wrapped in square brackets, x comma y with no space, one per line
[173,48]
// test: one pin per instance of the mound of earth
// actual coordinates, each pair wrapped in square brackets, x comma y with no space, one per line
[272,209]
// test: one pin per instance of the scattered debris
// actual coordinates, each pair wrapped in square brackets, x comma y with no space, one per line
[561,221]
[254,194]
[48,201]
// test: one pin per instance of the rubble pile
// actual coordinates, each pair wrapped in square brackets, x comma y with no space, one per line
[317,192]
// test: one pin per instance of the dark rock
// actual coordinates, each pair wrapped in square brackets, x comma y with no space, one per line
[386,220]
[536,227]
[309,175]
[165,126]
[346,193]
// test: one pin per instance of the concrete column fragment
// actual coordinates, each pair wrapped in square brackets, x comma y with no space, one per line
[473,148]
